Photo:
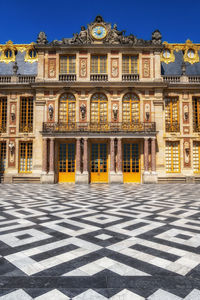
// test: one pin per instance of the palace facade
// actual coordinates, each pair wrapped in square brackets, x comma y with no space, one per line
[100,107]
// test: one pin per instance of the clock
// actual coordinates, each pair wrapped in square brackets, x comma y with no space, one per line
[99,32]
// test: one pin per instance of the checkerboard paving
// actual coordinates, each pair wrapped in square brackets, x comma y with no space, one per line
[100,242]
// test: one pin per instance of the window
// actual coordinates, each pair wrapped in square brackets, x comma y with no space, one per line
[131,108]
[3,114]
[8,53]
[2,156]
[196,157]
[99,108]
[99,64]
[196,114]
[32,53]
[26,115]
[67,108]
[172,115]
[172,153]
[129,64]
[25,157]
[68,64]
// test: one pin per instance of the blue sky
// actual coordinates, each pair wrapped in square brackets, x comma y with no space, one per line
[21,20]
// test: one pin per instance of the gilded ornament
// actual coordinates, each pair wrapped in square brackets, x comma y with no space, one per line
[170,57]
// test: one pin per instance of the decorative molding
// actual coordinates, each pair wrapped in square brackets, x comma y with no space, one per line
[83,67]
[52,67]
[171,57]
[114,67]
[146,67]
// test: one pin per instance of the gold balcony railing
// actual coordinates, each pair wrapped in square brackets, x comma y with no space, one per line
[172,127]
[25,128]
[196,127]
[99,127]
[2,129]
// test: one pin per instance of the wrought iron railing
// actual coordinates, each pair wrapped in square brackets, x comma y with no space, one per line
[130,77]
[25,128]
[67,77]
[99,77]
[172,127]
[99,127]
[196,127]
[2,129]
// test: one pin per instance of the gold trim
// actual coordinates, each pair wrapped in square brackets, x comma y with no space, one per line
[16,47]
[92,33]
[182,47]
[170,59]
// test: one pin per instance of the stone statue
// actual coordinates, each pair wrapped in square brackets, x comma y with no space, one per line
[115,36]
[156,37]
[83,35]
[42,38]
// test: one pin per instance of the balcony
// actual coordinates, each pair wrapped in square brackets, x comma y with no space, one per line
[25,128]
[5,79]
[2,129]
[130,77]
[67,77]
[172,127]
[172,79]
[194,79]
[49,127]
[26,79]
[99,77]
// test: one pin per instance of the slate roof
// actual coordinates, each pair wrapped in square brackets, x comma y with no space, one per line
[24,68]
[174,68]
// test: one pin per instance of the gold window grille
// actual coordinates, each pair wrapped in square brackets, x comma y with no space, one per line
[172,115]
[67,108]
[2,156]
[26,115]
[130,108]
[196,157]
[99,108]
[25,157]
[129,64]
[196,114]
[172,156]
[68,64]
[99,64]
[3,114]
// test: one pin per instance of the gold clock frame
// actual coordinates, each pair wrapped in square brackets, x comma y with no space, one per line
[92,34]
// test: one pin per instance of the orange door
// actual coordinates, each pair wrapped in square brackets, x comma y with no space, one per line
[99,162]
[66,163]
[131,162]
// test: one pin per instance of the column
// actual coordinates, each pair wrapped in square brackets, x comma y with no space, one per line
[119,155]
[85,155]
[146,155]
[153,155]
[112,155]
[44,156]
[51,156]
[78,155]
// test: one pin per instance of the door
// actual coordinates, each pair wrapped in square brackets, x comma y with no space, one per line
[131,162]
[66,164]
[98,162]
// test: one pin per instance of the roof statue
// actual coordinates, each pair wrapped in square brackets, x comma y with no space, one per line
[101,32]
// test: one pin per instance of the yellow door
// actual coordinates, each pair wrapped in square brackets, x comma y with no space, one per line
[131,162]
[98,163]
[66,164]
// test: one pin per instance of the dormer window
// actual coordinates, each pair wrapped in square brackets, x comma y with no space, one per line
[166,53]
[190,53]
[8,53]
[32,53]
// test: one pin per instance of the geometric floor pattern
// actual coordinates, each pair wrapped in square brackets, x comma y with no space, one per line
[93,242]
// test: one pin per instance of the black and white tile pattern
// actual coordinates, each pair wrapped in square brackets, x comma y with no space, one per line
[116,242]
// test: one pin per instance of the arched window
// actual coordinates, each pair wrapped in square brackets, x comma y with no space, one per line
[67,108]
[99,108]
[131,108]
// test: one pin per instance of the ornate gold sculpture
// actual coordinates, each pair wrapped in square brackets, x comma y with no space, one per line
[8,52]
[190,49]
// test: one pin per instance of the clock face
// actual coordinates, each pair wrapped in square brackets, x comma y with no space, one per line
[99,32]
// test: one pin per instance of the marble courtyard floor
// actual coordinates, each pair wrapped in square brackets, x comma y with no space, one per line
[98,242]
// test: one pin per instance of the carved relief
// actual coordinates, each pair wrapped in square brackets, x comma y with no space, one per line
[186,153]
[185,113]
[186,130]
[11,148]
[12,113]
[83,111]
[50,111]
[83,68]
[115,111]
[114,67]
[51,67]
[146,67]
